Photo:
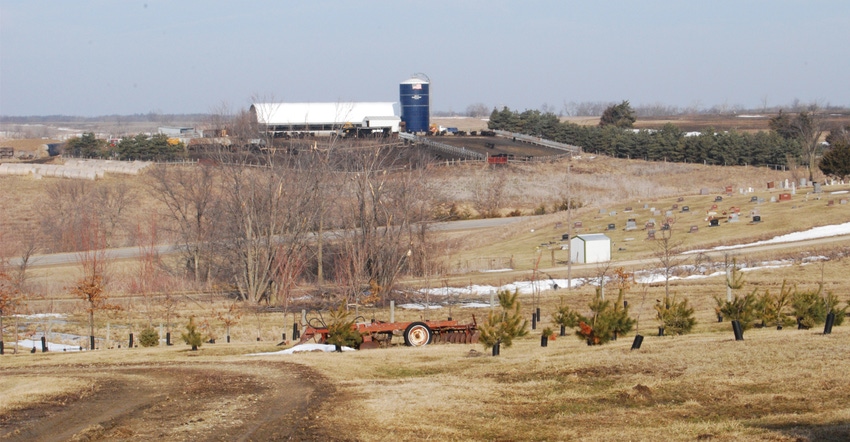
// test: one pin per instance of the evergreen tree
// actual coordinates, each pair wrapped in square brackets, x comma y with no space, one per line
[86,146]
[192,336]
[504,325]
[341,330]
[836,162]
[619,115]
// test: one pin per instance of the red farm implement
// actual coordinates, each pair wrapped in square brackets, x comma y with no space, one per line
[415,333]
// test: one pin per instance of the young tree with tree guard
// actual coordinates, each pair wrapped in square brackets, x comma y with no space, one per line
[505,324]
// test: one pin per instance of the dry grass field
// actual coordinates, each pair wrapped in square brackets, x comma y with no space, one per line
[775,385]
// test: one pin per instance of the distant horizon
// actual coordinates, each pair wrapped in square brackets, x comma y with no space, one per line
[713,110]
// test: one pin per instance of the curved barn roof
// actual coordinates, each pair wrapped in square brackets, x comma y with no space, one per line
[320,113]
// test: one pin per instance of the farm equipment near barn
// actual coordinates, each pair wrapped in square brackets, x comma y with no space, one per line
[415,333]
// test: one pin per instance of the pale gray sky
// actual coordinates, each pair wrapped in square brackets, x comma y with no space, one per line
[100,57]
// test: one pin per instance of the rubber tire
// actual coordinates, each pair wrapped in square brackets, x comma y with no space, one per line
[416,333]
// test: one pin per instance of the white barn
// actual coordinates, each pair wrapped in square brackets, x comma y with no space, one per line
[590,248]
[327,118]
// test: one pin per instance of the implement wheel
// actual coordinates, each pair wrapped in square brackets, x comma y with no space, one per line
[417,334]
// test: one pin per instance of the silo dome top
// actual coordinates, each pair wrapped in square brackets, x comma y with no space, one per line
[417,79]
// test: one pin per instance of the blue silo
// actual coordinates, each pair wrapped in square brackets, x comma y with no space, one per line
[415,103]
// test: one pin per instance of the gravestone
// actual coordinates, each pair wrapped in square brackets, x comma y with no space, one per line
[650,225]
[668,214]
[577,224]
[703,191]
[756,218]
[565,237]
[694,229]
[754,199]
[650,234]
[784,197]
[612,226]
[818,188]
[733,218]
[718,199]
[830,203]
[627,209]
[686,209]
[680,199]
[842,201]
[665,226]
[631,224]
[713,222]
[675,206]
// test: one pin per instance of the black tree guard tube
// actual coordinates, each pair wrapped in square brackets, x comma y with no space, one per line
[738,330]
[637,342]
[830,321]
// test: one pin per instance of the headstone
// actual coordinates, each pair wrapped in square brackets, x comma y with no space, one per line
[627,209]
[612,226]
[803,182]
[793,188]
[612,213]
[830,203]
[577,224]
[754,199]
[694,229]
[773,199]
[713,222]
[771,185]
[786,183]
[668,214]
[665,226]
[733,218]
[602,211]
[728,190]
[818,188]
[650,234]
[703,191]
[646,206]
[650,225]
[756,218]
[842,201]
[686,209]
[558,225]
[565,237]
[656,213]
[675,206]
[714,207]
[680,199]
[718,199]
[631,225]
[784,197]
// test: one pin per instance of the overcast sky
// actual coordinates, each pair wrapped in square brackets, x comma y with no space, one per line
[92,58]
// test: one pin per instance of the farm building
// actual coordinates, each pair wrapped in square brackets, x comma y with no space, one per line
[590,248]
[283,119]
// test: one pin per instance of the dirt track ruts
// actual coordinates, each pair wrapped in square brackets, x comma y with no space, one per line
[244,401]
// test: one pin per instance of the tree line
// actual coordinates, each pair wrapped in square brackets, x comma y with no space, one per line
[140,147]
[669,143]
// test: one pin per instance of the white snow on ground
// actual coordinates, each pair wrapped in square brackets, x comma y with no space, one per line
[475,305]
[41,316]
[51,346]
[413,306]
[813,233]
[301,348]
[524,287]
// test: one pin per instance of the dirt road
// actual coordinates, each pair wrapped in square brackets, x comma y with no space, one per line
[244,401]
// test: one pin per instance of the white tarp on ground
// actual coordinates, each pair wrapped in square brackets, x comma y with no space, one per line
[301,348]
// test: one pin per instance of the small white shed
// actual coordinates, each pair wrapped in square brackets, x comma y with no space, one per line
[590,248]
